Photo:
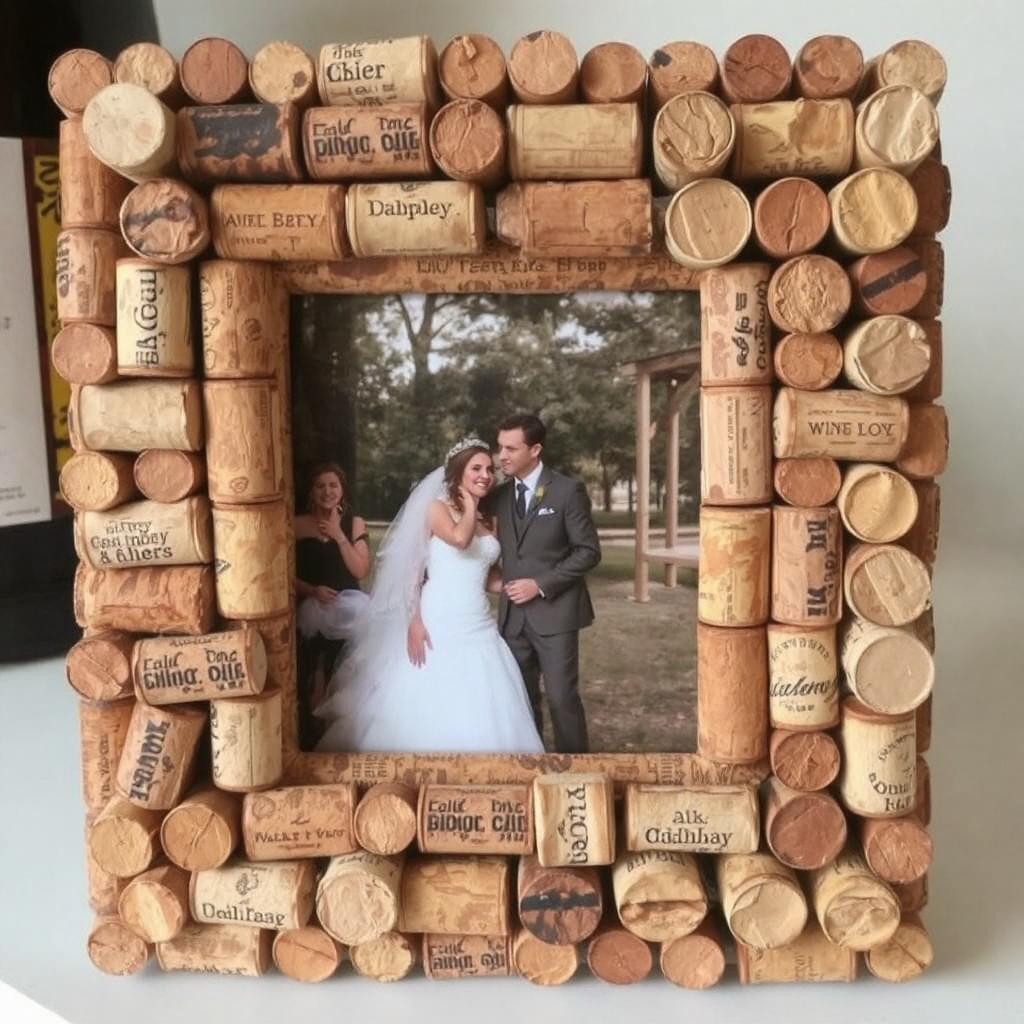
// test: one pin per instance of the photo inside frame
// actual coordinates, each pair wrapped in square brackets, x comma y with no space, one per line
[383,386]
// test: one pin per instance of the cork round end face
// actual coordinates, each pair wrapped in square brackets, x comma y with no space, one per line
[472,67]
[769,914]
[916,63]
[389,957]
[878,505]
[165,221]
[281,72]
[115,949]
[682,67]
[908,954]
[151,910]
[356,908]
[195,838]
[306,954]
[694,132]
[808,832]
[387,825]
[708,223]
[543,65]
[897,127]
[544,964]
[660,920]
[889,587]
[807,483]
[620,958]
[694,962]
[125,125]
[613,73]
[214,70]
[466,137]
[810,362]
[873,210]
[828,67]
[756,69]
[148,65]
[791,217]
[84,354]
[888,282]
[121,846]
[808,295]
[75,78]
[806,761]
[899,851]
[862,920]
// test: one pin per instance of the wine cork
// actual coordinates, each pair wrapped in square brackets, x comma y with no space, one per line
[588,219]
[213,71]
[619,957]
[472,67]
[932,258]
[166,475]
[613,73]
[154,320]
[659,894]
[90,192]
[804,830]
[839,423]
[379,142]
[75,77]
[98,667]
[95,481]
[923,537]
[299,821]
[85,354]
[907,955]
[115,948]
[708,223]
[808,138]
[913,897]
[803,693]
[281,72]
[736,445]
[416,218]
[560,906]
[732,694]
[466,956]
[755,69]
[807,560]
[124,838]
[693,819]
[279,222]
[791,217]
[808,294]
[307,954]
[735,332]
[827,68]
[896,127]
[543,69]
[385,818]
[877,776]
[810,362]
[468,142]
[762,901]
[887,355]
[886,584]
[931,185]
[373,73]
[165,221]
[176,599]
[456,896]
[856,910]
[581,141]
[133,416]
[251,546]
[389,957]
[929,387]
[808,957]
[695,961]
[85,275]
[104,888]
[218,949]
[244,459]
[245,734]
[278,895]
[885,283]
[877,504]
[154,68]
[680,67]
[541,963]
[102,728]
[155,904]
[245,319]
[175,670]
[804,761]
[910,62]
[898,850]
[694,135]
[927,448]
[475,819]
[733,585]
[575,819]
[202,832]
[874,209]
[807,482]
[158,761]
[131,131]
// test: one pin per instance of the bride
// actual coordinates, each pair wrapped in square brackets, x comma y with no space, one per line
[428,670]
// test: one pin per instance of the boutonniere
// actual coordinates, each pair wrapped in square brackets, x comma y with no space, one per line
[538,495]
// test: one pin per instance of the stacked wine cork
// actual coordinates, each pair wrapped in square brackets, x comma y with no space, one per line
[187,187]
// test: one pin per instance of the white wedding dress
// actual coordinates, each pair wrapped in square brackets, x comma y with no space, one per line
[468,697]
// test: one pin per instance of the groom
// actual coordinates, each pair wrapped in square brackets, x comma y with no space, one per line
[548,545]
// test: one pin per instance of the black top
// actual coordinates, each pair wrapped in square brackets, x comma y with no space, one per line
[319,562]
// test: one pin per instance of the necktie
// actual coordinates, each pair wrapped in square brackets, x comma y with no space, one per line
[520,499]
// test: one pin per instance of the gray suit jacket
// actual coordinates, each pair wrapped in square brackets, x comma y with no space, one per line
[557,545]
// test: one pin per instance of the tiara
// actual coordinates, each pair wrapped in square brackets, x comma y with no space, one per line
[463,445]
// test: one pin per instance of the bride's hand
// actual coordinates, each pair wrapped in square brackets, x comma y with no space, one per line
[469,499]
[417,642]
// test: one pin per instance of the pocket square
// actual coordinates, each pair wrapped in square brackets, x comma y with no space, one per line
[546,511]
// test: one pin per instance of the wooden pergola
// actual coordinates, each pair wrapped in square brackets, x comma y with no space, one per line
[681,372]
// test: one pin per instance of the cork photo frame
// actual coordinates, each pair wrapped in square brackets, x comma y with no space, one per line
[196,224]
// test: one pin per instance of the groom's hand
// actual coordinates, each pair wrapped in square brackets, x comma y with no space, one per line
[522,591]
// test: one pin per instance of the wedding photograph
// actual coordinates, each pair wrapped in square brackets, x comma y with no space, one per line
[473,493]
